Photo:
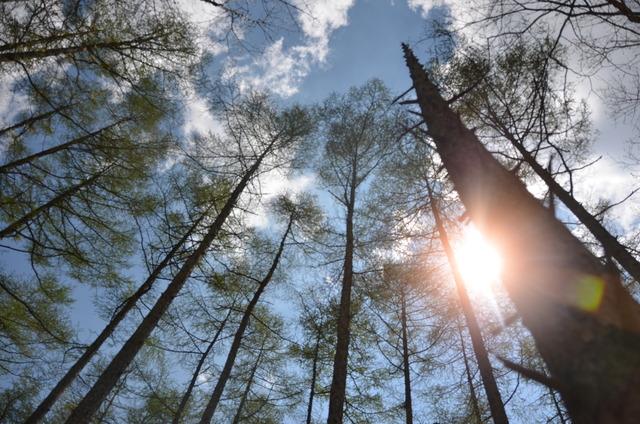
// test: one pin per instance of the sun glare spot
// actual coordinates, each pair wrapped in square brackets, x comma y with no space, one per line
[479,262]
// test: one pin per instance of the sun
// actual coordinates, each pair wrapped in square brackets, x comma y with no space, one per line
[479,262]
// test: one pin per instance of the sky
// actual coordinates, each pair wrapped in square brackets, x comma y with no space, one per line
[346,43]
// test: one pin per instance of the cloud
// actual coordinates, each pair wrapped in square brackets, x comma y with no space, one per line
[607,180]
[198,120]
[281,69]
[273,184]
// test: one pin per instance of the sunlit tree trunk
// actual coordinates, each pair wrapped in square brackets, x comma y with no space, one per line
[482,357]
[242,327]
[585,324]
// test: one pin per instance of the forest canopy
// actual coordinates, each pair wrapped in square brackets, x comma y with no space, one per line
[341,211]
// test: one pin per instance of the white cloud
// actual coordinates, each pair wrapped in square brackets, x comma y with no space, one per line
[198,118]
[607,180]
[281,69]
[273,184]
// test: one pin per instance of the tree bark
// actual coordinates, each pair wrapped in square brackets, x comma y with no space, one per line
[585,324]
[237,338]
[339,378]
[408,404]
[482,357]
[109,377]
[314,371]
[196,372]
[42,409]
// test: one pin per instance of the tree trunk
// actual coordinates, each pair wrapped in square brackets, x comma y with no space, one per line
[472,390]
[339,379]
[4,168]
[237,338]
[32,119]
[585,324]
[314,371]
[482,357]
[124,45]
[408,405]
[68,193]
[245,394]
[118,316]
[610,244]
[196,372]
[109,377]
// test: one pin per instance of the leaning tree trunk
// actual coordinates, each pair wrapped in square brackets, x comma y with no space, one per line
[314,372]
[247,388]
[339,379]
[63,146]
[109,377]
[472,390]
[15,226]
[196,372]
[585,324]
[406,365]
[610,244]
[117,317]
[486,371]
[242,327]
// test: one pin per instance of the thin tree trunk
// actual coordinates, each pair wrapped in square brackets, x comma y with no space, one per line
[408,404]
[557,406]
[196,372]
[339,378]
[314,371]
[611,245]
[118,316]
[109,377]
[61,51]
[472,390]
[32,119]
[482,357]
[242,327]
[245,394]
[68,193]
[59,147]
[585,324]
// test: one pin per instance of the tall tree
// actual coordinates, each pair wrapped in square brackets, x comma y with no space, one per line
[358,129]
[266,132]
[584,322]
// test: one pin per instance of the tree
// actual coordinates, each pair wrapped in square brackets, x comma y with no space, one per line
[358,129]
[584,322]
[266,132]
[294,215]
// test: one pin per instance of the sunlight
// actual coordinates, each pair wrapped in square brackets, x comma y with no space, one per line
[479,262]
